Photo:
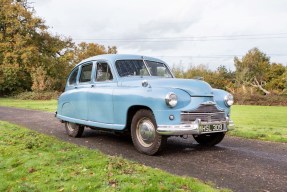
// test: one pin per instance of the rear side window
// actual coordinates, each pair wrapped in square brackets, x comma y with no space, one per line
[86,73]
[103,72]
[73,77]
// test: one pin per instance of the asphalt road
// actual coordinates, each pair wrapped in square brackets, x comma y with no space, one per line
[238,164]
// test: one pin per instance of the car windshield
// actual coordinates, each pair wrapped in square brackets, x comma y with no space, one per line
[140,68]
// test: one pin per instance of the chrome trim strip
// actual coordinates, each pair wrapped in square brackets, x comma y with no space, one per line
[187,117]
[208,103]
[195,113]
[91,123]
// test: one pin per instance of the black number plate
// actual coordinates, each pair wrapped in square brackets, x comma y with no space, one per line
[212,128]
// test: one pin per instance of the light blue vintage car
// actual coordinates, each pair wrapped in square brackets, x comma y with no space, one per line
[140,95]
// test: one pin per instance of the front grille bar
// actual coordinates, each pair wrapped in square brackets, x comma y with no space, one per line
[207,113]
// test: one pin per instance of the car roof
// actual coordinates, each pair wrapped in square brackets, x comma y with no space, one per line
[113,57]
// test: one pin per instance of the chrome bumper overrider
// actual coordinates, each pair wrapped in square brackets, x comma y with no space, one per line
[193,128]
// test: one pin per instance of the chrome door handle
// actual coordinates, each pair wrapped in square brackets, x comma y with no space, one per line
[92,85]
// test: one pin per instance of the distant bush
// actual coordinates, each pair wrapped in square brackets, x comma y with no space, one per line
[38,95]
[257,99]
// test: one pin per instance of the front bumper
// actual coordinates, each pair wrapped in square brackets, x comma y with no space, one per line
[194,128]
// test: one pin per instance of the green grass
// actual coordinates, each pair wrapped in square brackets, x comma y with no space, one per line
[31,161]
[260,122]
[43,105]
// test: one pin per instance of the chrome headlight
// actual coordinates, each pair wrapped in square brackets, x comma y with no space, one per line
[228,100]
[171,99]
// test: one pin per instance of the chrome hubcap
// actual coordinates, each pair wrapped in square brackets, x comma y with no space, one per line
[145,132]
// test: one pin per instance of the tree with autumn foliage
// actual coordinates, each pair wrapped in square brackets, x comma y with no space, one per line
[254,74]
[85,50]
[222,78]
[31,58]
[256,71]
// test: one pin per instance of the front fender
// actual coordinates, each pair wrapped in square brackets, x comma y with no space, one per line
[153,98]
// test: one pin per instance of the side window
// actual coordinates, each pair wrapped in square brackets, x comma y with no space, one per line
[86,73]
[131,68]
[103,72]
[73,77]
[158,69]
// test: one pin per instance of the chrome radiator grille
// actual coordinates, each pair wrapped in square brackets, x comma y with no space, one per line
[207,113]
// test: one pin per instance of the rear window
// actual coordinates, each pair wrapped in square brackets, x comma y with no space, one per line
[73,77]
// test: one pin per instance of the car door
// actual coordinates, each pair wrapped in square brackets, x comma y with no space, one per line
[82,89]
[100,97]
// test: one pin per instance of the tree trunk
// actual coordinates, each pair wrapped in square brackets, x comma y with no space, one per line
[256,84]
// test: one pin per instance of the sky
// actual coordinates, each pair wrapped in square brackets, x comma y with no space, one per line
[183,33]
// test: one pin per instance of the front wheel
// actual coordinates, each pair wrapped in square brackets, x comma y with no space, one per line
[143,131]
[73,129]
[210,139]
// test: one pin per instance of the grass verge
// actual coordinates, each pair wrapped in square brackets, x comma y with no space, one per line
[267,123]
[31,161]
[43,105]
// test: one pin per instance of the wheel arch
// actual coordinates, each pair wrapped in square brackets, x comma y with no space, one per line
[131,112]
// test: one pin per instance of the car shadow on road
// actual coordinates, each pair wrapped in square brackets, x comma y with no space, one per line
[178,145]
[175,145]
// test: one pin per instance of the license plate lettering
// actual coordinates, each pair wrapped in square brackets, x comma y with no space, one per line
[212,128]
[217,127]
[205,128]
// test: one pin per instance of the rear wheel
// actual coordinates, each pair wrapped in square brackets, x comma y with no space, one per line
[74,130]
[209,140]
[143,131]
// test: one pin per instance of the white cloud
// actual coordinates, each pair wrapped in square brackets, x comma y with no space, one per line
[129,19]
